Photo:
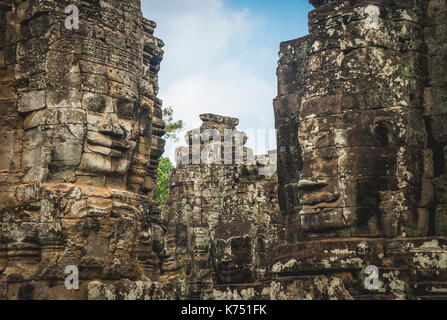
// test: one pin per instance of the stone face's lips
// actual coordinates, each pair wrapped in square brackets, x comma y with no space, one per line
[100,143]
[120,144]
[320,197]
[227,266]
[333,219]
[106,151]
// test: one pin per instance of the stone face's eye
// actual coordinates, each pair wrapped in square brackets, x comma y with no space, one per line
[127,109]
[328,153]
[145,121]
[96,103]
[384,132]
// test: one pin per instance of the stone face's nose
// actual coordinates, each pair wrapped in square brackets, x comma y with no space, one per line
[309,185]
[112,127]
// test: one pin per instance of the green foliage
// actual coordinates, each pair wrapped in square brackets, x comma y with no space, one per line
[162,191]
[164,168]
[172,127]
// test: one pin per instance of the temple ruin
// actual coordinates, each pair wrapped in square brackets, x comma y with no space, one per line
[357,184]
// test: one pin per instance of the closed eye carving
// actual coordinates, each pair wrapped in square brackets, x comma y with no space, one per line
[127,109]
[384,132]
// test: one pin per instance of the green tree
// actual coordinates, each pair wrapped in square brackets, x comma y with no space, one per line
[164,168]
[172,127]
[162,191]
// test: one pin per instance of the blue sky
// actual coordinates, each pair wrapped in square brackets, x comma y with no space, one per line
[221,57]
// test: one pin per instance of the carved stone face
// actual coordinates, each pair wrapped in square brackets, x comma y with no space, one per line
[112,132]
[349,161]
[114,121]
[233,253]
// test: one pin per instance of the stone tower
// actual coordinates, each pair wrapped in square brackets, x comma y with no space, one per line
[222,214]
[80,139]
[362,140]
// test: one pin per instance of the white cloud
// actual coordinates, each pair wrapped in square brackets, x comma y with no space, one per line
[210,64]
